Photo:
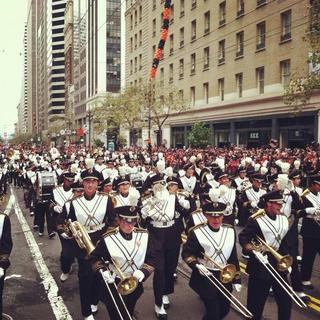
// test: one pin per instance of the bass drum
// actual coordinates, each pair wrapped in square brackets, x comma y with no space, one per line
[47,182]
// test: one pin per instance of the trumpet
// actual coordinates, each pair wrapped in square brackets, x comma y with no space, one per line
[184,193]
[227,274]
[284,262]
[127,284]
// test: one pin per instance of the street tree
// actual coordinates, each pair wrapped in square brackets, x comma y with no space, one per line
[159,103]
[199,136]
[302,86]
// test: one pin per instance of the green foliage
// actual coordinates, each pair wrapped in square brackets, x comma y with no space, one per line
[300,89]
[23,138]
[122,141]
[199,136]
[98,143]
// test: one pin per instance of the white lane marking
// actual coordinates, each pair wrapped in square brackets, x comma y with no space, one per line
[9,205]
[59,309]
[13,276]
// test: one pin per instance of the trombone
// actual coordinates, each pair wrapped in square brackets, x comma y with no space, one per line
[226,274]
[127,284]
[283,264]
[83,240]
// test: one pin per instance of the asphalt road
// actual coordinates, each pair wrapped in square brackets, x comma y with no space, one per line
[33,290]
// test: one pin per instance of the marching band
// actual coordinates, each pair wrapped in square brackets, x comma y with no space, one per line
[127,215]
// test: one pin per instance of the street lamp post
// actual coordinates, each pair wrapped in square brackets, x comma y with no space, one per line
[89,116]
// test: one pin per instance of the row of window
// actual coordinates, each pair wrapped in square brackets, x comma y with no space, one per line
[260,83]
[134,17]
[134,42]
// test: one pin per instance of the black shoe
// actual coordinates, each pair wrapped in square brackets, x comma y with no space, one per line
[52,234]
[307,285]
[35,227]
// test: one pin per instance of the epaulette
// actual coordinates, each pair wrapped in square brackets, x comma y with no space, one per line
[103,193]
[196,211]
[199,225]
[147,196]
[305,192]
[75,197]
[141,230]
[259,213]
[226,225]
[111,232]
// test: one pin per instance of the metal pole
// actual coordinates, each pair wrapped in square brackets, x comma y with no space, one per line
[89,129]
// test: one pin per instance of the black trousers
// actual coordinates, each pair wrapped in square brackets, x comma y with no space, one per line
[89,286]
[1,292]
[42,213]
[108,296]
[311,246]
[66,255]
[258,291]
[165,266]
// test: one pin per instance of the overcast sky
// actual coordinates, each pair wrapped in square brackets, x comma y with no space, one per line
[13,15]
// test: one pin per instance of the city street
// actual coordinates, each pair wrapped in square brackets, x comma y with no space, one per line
[33,289]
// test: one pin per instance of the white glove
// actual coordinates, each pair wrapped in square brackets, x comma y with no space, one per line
[311,210]
[237,287]
[262,258]
[138,274]
[65,236]
[57,209]
[290,270]
[203,270]
[1,272]
[253,203]
[107,276]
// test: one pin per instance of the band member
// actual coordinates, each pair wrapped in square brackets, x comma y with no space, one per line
[250,197]
[241,181]
[189,180]
[129,249]
[5,250]
[159,212]
[310,229]
[122,198]
[60,195]
[95,212]
[271,226]
[218,242]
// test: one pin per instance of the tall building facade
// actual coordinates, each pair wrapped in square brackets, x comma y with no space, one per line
[55,60]
[231,61]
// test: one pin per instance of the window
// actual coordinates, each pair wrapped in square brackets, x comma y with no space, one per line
[154,27]
[261,35]
[222,44]
[240,39]
[135,41]
[181,94]
[206,92]
[285,26]
[131,67]
[193,64]
[221,88]
[239,80]
[140,38]
[181,8]
[172,14]
[140,61]
[170,72]
[181,37]
[181,69]
[206,58]
[154,4]
[131,44]
[207,22]
[261,3]
[135,17]
[260,79]
[131,22]
[240,7]
[193,4]
[171,44]
[222,13]
[161,76]
[153,50]
[140,13]
[135,64]
[193,30]
[285,72]
[193,96]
